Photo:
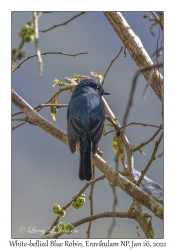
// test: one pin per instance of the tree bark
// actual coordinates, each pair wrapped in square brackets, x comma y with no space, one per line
[136,50]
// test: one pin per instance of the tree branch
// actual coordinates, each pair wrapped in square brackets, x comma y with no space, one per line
[48,53]
[76,196]
[130,102]
[145,143]
[146,226]
[111,65]
[35,17]
[113,176]
[58,25]
[138,123]
[136,50]
[151,160]
[91,203]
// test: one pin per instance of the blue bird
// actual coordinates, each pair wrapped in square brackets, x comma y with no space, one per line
[85,122]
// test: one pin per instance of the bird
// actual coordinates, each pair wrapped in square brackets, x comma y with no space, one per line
[85,122]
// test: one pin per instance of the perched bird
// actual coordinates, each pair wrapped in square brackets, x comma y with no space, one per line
[85,122]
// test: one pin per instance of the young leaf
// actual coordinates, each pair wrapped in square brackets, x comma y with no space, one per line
[118,148]
[99,78]
[57,82]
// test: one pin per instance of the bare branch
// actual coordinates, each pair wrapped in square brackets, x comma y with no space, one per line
[48,12]
[154,14]
[111,65]
[114,189]
[151,160]
[151,73]
[125,51]
[158,19]
[48,53]
[97,216]
[35,17]
[145,143]
[58,25]
[144,91]
[136,50]
[18,125]
[14,58]
[158,51]
[160,155]
[141,218]
[138,123]
[43,106]
[130,102]
[91,203]
[55,105]
[113,210]
[76,196]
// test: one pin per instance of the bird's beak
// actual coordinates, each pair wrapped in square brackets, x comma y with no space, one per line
[105,93]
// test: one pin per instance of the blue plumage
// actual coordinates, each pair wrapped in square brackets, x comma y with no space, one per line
[85,122]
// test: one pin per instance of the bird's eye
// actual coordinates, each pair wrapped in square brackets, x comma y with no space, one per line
[97,88]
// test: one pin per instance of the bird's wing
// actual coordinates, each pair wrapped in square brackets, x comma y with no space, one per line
[95,130]
[74,132]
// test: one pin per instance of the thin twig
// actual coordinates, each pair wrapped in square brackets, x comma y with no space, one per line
[55,105]
[43,106]
[76,196]
[146,142]
[114,189]
[111,65]
[151,73]
[157,19]
[113,209]
[19,119]
[48,12]
[48,53]
[160,155]
[130,102]
[125,51]
[95,217]
[138,123]
[141,218]
[158,51]
[91,202]
[144,91]
[14,58]
[151,160]
[18,125]
[109,132]
[154,14]
[35,17]
[58,25]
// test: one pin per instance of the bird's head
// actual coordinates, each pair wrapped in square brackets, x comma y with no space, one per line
[98,87]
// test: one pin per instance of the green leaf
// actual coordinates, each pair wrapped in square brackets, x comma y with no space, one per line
[118,148]
[108,124]
[57,82]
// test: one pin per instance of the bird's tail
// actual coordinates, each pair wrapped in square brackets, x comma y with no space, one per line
[85,169]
